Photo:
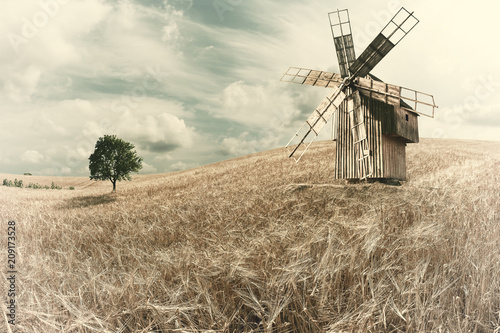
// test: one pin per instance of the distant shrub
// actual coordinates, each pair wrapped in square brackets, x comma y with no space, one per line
[71,188]
[27,174]
[46,187]
[18,183]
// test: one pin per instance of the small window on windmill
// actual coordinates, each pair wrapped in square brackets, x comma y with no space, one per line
[406,117]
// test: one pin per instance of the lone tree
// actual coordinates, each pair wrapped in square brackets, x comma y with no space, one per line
[113,159]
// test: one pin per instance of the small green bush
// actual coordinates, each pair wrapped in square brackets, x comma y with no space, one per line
[27,174]
[18,183]
[71,188]
[34,186]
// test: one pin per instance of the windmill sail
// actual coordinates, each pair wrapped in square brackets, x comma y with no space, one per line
[311,77]
[397,28]
[409,99]
[342,38]
[301,141]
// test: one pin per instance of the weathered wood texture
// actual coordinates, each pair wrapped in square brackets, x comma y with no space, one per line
[345,55]
[387,152]
[370,57]
[402,123]
[394,152]
[399,121]
[347,166]
[386,92]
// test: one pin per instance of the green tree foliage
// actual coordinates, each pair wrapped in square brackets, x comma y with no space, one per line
[113,159]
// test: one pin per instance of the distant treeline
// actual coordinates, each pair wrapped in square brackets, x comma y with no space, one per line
[19,183]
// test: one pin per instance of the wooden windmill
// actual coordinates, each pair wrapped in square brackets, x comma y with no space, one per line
[372,120]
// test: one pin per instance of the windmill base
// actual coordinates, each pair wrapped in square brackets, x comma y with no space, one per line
[387,181]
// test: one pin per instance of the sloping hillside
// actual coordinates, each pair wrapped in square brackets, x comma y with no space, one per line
[261,244]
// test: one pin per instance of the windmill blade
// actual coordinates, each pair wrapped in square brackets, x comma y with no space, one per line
[340,25]
[311,77]
[397,28]
[313,125]
[409,99]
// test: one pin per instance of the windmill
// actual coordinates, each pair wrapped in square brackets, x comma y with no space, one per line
[372,120]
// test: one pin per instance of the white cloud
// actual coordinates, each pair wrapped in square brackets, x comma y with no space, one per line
[147,168]
[32,156]
[204,50]
[46,37]
[157,133]
[163,158]
[268,105]
[244,144]
[180,166]
[170,32]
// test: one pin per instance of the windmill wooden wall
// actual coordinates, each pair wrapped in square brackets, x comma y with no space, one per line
[388,129]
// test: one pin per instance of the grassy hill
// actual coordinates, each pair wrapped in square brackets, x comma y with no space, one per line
[261,244]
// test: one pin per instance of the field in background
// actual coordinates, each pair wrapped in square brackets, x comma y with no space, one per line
[261,244]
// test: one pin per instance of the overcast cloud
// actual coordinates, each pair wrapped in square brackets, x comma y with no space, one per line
[191,82]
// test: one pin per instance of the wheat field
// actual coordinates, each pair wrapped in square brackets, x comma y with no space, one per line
[261,244]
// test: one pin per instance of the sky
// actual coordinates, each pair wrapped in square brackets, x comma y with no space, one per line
[192,82]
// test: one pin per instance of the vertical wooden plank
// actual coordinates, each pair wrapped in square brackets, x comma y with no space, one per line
[339,148]
[377,139]
[342,161]
[372,140]
[339,145]
[344,147]
[379,111]
[394,150]
[380,141]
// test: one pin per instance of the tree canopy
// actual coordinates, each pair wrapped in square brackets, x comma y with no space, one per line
[113,159]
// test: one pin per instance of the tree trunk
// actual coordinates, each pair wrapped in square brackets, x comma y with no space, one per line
[114,185]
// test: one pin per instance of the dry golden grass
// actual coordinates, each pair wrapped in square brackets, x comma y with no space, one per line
[260,244]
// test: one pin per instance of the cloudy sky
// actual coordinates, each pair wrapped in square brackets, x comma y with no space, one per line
[191,82]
